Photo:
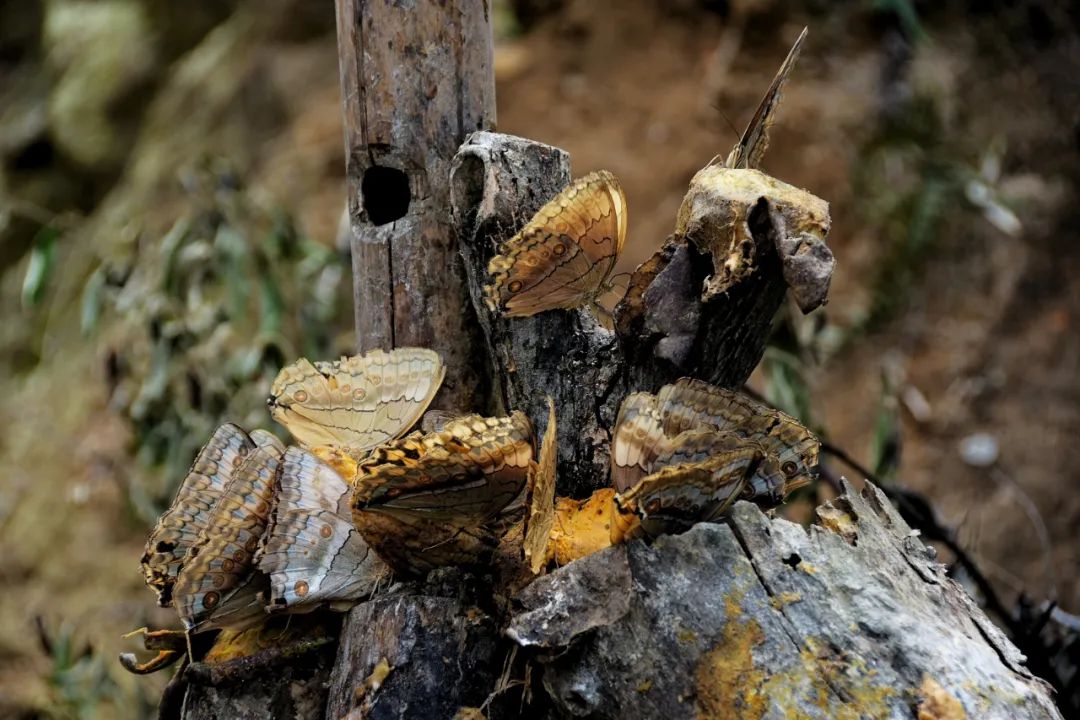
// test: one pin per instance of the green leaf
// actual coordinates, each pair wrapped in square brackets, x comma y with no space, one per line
[92,300]
[40,267]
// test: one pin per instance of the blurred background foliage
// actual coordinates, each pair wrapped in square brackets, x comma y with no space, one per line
[198,322]
[171,189]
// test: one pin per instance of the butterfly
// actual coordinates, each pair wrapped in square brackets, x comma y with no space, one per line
[689,404]
[676,497]
[427,500]
[653,431]
[313,553]
[180,526]
[751,147]
[358,402]
[564,256]
[219,584]
[541,500]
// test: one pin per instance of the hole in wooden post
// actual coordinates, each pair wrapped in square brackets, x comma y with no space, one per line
[386,194]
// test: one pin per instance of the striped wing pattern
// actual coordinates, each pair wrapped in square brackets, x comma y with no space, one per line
[563,257]
[180,526]
[219,585]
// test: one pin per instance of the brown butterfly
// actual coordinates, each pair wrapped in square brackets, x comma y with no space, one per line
[649,429]
[313,553]
[181,525]
[360,401]
[751,147]
[428,499]
[219,584]
[691,404]
[564,256]
[541,500]
[676,497]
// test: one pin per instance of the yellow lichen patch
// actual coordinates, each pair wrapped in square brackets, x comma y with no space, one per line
[685,636]
[727,682]
[469,713]
[839,686]
[786,598]
[233,644]
[836,520]
[644,686]
[581,527]
[365,691]
[937,703]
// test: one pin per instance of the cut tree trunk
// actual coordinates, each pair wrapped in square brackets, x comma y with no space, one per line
[758,618]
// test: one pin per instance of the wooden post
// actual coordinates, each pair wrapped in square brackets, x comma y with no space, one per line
[416,79]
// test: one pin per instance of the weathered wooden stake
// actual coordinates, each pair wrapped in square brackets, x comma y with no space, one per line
[416,79]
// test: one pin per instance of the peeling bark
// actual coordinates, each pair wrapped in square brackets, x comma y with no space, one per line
[763,618]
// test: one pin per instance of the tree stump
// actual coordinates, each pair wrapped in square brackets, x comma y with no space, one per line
[758,618]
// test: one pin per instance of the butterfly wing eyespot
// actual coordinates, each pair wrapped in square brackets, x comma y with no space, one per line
[210,600]
[790,469]
[313,554]
[358,402]
[562,258]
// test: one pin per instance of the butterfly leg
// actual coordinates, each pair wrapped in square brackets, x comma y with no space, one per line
[170,644]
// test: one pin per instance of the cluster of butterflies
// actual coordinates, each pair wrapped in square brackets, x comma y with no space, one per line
[259,528]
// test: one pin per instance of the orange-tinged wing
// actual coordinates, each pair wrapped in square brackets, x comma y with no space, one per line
[462,476]
[542,501]
[562,258]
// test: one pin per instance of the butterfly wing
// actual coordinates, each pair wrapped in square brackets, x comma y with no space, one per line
[413,546]
[180,526]
[219,585]
[688,404]
[564,255]
[359,402]
[755,139]
[542,497]
[314,554]
[463,476]
[638,438]
[678,496]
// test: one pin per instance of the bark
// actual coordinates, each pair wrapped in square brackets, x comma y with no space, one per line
[765,619]
[416,78]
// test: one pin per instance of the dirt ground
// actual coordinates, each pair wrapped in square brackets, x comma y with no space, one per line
[985,332]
